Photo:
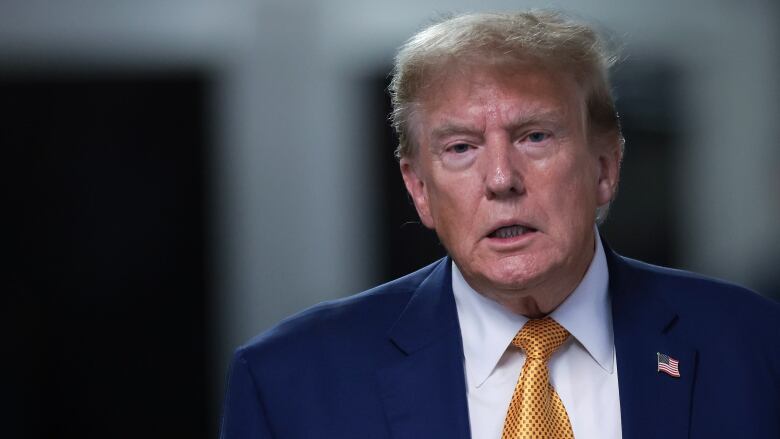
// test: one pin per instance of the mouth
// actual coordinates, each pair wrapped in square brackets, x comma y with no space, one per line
[511,231]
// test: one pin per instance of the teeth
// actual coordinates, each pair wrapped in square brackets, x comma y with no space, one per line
[509,232]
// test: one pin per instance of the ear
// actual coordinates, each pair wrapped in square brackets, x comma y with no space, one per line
[415,185]
[610,158]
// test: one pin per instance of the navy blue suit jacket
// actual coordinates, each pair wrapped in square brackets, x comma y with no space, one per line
[388,363]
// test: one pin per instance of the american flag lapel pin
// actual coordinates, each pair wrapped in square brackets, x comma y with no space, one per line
[668,365]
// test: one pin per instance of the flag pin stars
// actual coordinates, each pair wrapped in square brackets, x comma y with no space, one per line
[668,365]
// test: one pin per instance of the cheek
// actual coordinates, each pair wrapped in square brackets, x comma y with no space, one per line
[454,204]
[571,193]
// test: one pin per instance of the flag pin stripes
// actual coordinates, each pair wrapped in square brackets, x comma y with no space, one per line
[668,365]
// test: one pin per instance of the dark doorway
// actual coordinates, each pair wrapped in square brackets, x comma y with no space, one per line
[105,305]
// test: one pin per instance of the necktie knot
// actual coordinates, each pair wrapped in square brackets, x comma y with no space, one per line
[539,338]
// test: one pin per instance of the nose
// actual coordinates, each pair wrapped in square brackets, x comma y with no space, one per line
[502,178]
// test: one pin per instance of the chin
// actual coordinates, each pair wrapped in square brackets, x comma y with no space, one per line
[515,273]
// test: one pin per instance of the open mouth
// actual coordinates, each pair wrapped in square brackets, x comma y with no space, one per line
[511,231]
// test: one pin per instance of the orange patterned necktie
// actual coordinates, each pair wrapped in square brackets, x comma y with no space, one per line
[536,411]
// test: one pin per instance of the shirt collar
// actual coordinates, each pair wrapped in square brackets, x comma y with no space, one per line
[587,312]
[488,328]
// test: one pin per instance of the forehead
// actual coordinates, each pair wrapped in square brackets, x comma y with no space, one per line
[481,94]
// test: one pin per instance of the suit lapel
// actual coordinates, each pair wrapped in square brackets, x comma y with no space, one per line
[424,394]
[652,404]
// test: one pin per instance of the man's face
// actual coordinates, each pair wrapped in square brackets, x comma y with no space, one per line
[505,175]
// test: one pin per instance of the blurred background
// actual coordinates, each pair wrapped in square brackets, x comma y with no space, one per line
[180,175]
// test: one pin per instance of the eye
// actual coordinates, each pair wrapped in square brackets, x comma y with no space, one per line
[460,148]
[457,156]
[538,136]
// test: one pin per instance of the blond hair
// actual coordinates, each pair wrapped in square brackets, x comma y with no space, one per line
[504,40]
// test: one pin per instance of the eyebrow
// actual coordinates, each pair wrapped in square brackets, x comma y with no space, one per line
[450,128]
[554,116]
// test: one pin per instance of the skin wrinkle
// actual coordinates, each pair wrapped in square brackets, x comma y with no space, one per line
[553,187]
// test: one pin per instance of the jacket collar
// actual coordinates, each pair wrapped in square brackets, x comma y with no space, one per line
[652,403]
[430,313]
[424,393]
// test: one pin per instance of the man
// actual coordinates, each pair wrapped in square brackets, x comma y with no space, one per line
[510,148]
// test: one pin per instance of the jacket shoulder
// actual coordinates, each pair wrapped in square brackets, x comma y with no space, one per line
[703,298]
[687,285]
[361,318]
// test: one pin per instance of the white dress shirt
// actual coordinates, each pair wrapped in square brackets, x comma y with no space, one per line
[583,370]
